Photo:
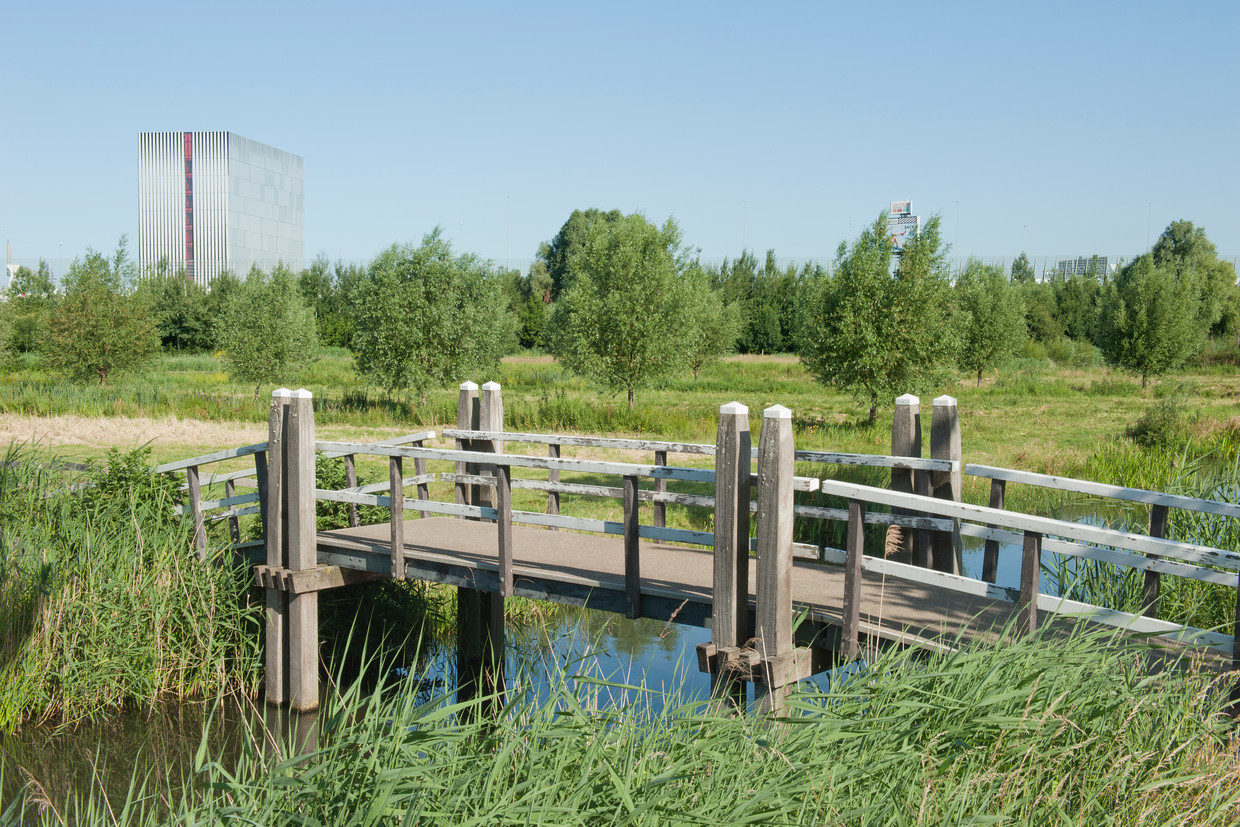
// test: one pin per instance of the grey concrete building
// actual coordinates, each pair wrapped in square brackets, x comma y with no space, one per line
[215,201]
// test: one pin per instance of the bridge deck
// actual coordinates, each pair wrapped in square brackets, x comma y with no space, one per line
[589,569]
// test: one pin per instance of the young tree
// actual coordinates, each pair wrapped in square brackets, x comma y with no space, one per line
[875,334]
[1149,322]
[101,325]
[622,319]
[557,255]
[713,326]
[267,330]
[994,317]
[32,295]
[1022,270]
[426,318]
[182,313]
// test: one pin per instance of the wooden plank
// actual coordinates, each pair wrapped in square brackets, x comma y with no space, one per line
[503,519]
[730,565]
[945,445]
[990,557]
[218,479]
[350,482]
[419,436]
[583,441]
[660,487]
[1030,575]
[925,576]
[879,461]
[632,559]
[1190,552]
[610,492]
[1137,623]
[1158,528]
[234,527]
[871,517]
[1098,489]
[396,516]
[195,506]
[1106,555]
[619,469]
[370,488]
[223,502]
[774,535]
[303,609]
[207,459]
[798,483]
[276,677]
[646,532]
[851,641]
[233,513]
[316,579]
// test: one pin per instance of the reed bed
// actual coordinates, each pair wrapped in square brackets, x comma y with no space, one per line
[1066,730]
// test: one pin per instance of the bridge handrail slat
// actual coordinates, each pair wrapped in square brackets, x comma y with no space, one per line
[1190,552]
[523,461]
[1099,489]
[419,436]
[610,492]
[206,459]
[1106,555]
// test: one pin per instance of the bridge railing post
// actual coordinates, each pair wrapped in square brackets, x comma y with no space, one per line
[730,576]
[1153,579]
[193,483]
[945,444]
[632,546]
[905,442]
[350,481]
[851,634]
[990,558]
[396,517]
[1030,577]
[776,455]
[659,517]
[553,477]
[275,530]
[466,420]
[303,608]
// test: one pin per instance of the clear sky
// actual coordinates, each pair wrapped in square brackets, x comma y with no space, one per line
[1063,129]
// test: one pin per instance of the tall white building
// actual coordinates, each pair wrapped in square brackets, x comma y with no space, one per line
[215,201]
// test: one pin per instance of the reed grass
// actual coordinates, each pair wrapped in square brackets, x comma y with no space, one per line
[1048,729]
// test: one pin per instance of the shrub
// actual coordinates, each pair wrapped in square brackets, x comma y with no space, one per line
[1163,425]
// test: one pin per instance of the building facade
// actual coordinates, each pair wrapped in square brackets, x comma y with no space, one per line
[215,201]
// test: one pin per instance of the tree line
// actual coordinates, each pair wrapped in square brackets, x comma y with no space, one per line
[629,304]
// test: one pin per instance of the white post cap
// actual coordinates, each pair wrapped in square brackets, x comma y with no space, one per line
[301,393]
[733,408]
[281,393]
[777,412]
[944,401]
[490,386]
[908,399]
[469,386]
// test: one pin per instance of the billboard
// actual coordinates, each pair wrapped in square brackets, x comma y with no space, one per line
[902,225]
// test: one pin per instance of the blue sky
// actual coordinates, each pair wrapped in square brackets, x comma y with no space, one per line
[1063,129]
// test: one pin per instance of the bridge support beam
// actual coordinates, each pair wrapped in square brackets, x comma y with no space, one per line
[303,608]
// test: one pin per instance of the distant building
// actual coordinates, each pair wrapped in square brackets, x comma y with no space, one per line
[215,201]
[1069,267]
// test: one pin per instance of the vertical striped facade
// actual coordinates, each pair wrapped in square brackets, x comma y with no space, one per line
[215,201]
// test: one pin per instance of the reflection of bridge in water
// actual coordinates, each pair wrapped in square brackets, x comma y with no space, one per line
[843,600]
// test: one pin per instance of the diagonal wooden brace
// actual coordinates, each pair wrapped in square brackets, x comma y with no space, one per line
[316,579]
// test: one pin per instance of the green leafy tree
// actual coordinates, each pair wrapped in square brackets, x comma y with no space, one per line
[874,333]
[1076,305]
[622,319]
[1041,322]
[557,255]
[713,325]
[993,317]
[1149,323]
[426,317]
[1183,247]
[32,295]
[1022,270]
[532,324]
[182,311]
[102,325]
[267,330]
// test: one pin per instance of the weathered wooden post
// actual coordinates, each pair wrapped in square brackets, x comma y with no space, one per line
[350,481]
[553,477]
[303,608]
[851,633]
[277,679]
[234,526]
[945,444]
[1030,577]
[396,517]
[480,614]
[1153,584]
[729,622]
[990,558]
[660,486]
[194,485]
[632,550]
[905,442]
[466,420]
[776,454]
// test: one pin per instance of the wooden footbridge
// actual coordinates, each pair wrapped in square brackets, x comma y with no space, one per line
[845,600]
